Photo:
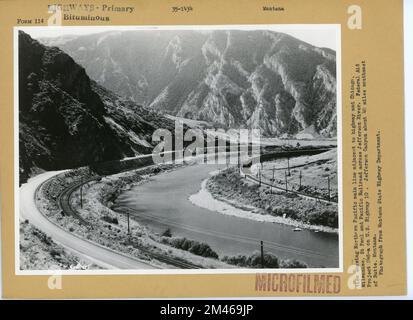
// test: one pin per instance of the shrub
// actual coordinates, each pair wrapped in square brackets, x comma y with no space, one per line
[239,260]
[110,219]
[195,247]
[270,261]
[167,233]
[230,185]
[292,264]
[42,236]
[253,261]
[55,253]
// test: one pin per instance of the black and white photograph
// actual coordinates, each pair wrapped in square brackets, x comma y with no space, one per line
[178,149]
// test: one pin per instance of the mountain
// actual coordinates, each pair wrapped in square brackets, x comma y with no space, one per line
[67,120]
[240,79]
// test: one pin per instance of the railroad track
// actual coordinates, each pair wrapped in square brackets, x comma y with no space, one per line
[304,195]
[64,202]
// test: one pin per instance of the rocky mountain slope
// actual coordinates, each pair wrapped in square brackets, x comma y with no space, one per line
[251,79]
[67,120]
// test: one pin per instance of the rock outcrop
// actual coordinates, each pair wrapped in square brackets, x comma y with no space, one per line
[247,79]
[67,120]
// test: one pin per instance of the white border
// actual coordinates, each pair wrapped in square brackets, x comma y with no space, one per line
[272,27]
[16,151]
[408,109]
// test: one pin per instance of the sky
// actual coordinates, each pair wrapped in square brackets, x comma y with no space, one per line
[317,35]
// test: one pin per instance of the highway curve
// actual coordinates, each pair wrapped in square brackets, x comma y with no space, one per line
[64,201]
[84,249]
[223,232]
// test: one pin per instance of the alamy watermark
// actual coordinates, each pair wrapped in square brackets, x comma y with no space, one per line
[210,146]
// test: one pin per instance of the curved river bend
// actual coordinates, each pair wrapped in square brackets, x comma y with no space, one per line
[163,203]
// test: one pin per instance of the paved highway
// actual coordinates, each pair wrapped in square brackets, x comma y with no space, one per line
[84,249]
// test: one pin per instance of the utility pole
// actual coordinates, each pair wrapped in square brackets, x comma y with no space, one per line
[81,192]
[288,165]
[328,184]
[286,187]
[128,225]
[259,174]
[273,178]
[262,254]
[300,180]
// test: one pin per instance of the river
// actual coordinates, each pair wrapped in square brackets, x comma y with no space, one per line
[163,203]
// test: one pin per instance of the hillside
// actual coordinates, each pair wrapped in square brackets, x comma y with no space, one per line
[240,79]
[67,120]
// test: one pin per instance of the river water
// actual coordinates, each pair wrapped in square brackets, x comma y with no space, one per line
[163,203]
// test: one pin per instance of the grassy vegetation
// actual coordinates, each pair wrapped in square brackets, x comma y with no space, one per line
[230,185]
[270,261]
[195,247]
[109,228]
[39,252]
[109,231]
[309,174]
[252,261]
[52,189]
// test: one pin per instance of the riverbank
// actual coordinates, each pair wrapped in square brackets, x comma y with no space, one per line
[194,237]
[162,203]
[98,223]
[314,175]
[228,193]
[99,199]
